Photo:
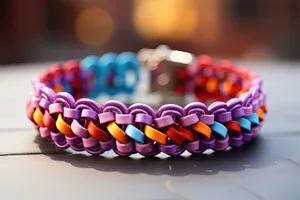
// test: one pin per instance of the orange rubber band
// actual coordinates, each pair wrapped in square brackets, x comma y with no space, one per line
[261,114]
[212,85]
[63,126]
[202,128]
[98,133]
[227,86]
[38,117]
[155,135]
[117,133]
[58,88]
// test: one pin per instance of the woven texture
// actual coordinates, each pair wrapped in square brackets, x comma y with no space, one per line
[62,114]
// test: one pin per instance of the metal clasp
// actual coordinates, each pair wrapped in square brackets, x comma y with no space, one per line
[164,64]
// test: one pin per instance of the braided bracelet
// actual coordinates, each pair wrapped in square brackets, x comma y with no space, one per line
[62,113]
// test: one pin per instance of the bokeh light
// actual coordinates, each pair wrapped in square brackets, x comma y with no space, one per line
[94,26]
[165,19]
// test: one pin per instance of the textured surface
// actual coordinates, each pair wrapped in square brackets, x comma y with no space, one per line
[266,169]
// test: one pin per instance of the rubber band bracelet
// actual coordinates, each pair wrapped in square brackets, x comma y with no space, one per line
[61,109]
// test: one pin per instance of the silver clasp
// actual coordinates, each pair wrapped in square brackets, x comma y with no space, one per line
[163,64]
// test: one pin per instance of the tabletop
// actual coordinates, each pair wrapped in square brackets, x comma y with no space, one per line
[267,168]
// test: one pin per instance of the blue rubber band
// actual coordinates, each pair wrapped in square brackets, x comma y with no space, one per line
[90,63]
[220,129]
[245,124]
[135,134]
[110,71]
[126,62]
[254,119]
[67,87]
[106,67]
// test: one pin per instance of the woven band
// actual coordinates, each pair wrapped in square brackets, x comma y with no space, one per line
[61,109]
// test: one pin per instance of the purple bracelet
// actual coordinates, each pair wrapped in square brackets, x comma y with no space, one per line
[62,113]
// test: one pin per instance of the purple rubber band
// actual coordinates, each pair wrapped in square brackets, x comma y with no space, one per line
[255,105]
[219,111]
[90,142]
[44,103]
[195,105]
[233,102]
[207,119]
[44,132]
[73,140]
[125,148]
[77,147]
[56,108]
[79,130]
[221,145]
[139,106]
[164,121]
[245,98]
[254,90]
[224,117]
[108,145]
[124,154]
[236,141]
[144,148]
[192,146]
[248,111]
[106,117]
[235,107]
[71,113]
[257,81]
[66,99]
[90,103]
[124,119]
[35,101]
[174,113]
[37,87]
[62,144]
[115,106]
[57,137]
[154,152]
[90,114]
[247,136]
[143,118]
[95,150]
[189,119]
[169,149]
[208,144]
[48,94]
[180,150]
[239,112]
[170,107]
[214,107]
[260,100]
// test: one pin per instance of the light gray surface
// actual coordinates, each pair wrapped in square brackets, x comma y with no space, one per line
[266,169]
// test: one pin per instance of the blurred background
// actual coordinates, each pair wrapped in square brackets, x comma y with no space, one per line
[49,30]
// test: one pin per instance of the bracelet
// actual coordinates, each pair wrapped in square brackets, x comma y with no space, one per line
[62,112]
